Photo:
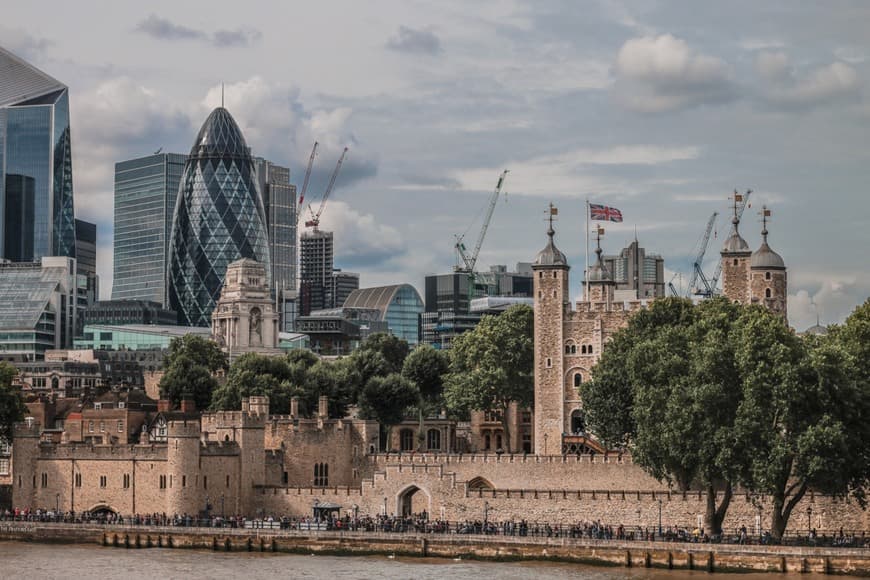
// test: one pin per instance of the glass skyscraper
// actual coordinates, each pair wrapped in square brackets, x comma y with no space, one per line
[219,218]
[145,194]
[36,189]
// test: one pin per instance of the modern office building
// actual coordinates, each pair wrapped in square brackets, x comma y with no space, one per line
[145,192]
[279,203]
[36,187]
[638,275]
[120,312]
[399,306]
[38,307]
[316,265]
[87,281]
[449,298]
[219,218]
[134,336]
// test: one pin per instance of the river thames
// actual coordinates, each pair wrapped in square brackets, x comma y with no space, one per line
[49,561]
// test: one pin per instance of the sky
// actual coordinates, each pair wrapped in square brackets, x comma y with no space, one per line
[660,109]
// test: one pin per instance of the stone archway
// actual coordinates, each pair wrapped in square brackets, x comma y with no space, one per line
[413,500]
[103,509]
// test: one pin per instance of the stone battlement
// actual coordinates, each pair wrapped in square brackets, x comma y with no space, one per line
[622,307]
[465,458]
[86,451]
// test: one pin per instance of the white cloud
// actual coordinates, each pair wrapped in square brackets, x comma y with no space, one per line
[662,73]
[832,302]
[360,240]
[826,84]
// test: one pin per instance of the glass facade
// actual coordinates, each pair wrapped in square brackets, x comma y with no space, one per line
[219,218]
[398,306]
[145,193]
[105,337]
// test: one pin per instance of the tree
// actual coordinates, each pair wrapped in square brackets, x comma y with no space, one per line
[325,379]
[491,365]
[672,369]
[184,378]
[802,421]
[12,408]
[256,374]
[426,367]
[387,400]
[199,350]
[393,349]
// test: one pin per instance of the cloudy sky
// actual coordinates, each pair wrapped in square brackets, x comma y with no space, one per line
[658,108]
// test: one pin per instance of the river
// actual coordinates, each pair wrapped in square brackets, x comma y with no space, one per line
[49,561]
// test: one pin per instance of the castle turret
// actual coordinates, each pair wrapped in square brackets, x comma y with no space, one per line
[599,281]
[183,467]
[550,271]
[735,262]
[769,280]
[25,452]
[250,435]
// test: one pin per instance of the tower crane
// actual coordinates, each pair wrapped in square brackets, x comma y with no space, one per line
[697,273]
[469,262]
[739,206]
[307,177]
[314,222]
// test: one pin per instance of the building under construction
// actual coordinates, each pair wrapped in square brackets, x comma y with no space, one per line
[321,285]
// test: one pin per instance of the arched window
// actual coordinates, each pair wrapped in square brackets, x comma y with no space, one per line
[578,422]
[583,349]
[567,349]
[554,273]
[497,442]
[540,274]
[767,275]
[578,379]
[486,442]
[573,349]
[433,440]
[767,292]
[735,261]
[406,439]
[589,349]
[549,362]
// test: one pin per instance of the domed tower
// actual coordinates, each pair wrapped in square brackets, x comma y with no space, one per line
[769,279]
[550,272]
[599,281]
[735,262]
[219,218]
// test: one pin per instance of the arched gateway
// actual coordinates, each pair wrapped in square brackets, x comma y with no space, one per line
[413,500]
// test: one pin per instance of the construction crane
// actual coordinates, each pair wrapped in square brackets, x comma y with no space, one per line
[314,222]
[307,177]
[469,262]
[739,207]
[672,288]
[697,273]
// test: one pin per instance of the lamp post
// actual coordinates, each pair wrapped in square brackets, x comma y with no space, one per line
[809,519]
[385,507]
[660,517]
[222,508]
[56,504]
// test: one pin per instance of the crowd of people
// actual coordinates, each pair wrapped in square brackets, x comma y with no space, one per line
[422,524]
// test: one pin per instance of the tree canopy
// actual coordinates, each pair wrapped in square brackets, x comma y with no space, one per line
[388,399]
[256,374]
[186,379]
[491,365]
[392,348]
[427,368]
[12,408]
[198,350]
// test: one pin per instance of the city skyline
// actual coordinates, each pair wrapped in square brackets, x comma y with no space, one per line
[653,111]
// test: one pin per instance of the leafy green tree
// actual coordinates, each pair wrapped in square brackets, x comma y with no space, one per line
[854,337]
[387,400]
[802,420]
[329,379]
[12,408]
[303,357]
[184,378]
[427,367]
[199,350]
[491,366]
[367,363]
[672,368]
[255,374]
[393,349]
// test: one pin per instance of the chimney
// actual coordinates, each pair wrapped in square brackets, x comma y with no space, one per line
[188,406]
[294,407]
[164,406]
[323,406]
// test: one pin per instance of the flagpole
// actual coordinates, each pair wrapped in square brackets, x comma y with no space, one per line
[586,272]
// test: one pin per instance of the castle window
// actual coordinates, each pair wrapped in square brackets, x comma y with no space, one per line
[486,442]
[433,440]
[554,293]
[162,481]
[540,274]
[90,426]
[44,480]
[102,426]
[554,273]
[578,379]
[126,481]
[583,349]
[228,481]
[497,442]
[767,275]
[285,478]
[183,481]
[567,349]
[549,362]
[589,350]
[78,480]
[406,440]
[103,481]
[735,261]
[120,426]
[205,482]
[321,474]
[767,292]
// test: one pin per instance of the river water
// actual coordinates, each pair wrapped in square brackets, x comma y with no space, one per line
[38,561]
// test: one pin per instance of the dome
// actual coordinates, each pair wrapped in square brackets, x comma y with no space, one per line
[551,255]
[766,259]
[218,219]
[598,272]
[735,243]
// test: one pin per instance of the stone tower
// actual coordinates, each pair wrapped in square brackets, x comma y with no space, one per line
[182,467]
[24,461]
[599,280]
[552,301]
[735,262]
[250,434]
[768,277]
[244,318]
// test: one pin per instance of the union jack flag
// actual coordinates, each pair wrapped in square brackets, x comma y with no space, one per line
[600,212]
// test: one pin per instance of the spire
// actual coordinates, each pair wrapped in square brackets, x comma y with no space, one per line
[553,211]
[551,256]
[764,258]
[735,243]
[765,213]
[222,94]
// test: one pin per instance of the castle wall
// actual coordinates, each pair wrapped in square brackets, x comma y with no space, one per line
[777,286]
[735,276]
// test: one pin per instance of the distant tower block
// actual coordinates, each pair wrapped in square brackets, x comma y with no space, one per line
[735,263]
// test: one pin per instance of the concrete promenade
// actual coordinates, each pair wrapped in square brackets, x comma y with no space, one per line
[668,555]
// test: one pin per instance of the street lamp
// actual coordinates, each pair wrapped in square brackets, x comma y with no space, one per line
[660,517]
[56,504]
[222,508]
[809,519]
[385,507]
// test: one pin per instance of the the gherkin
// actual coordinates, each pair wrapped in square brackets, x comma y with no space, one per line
[218,219]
